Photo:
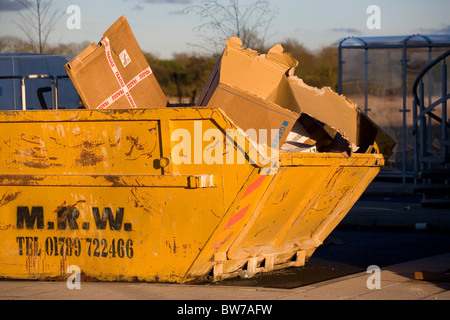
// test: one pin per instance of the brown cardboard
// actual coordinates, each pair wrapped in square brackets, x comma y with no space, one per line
[316,131]
[371,134]
[297,147]
[115,74]
[337,114]
[300,135]
[251,112]
[249,71]
[326,106]
[252,72]
[336,124]
[240,83]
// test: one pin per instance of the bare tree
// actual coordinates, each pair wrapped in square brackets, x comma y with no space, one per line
[223,19]
[38,22]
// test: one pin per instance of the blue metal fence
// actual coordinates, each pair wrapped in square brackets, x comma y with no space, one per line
[25,79]
[430,45]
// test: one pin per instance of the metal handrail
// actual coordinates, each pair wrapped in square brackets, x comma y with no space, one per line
[431,108]
[10,77]
[34,76]
[427,111]
[54,85]
[425,71]
[418,81]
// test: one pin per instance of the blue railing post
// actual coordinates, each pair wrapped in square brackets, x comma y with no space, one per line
[366,80]
[444,109]
[404,110]
[423,125]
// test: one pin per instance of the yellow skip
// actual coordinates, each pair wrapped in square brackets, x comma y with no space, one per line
[105,191]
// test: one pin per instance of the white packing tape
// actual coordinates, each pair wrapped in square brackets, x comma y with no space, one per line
[124,87]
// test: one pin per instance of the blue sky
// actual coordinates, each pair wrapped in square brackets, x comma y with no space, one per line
[315,23]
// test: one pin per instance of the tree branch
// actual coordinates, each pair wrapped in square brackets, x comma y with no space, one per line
[37,22]
[222,19]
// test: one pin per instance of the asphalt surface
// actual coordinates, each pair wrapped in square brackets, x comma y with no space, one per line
[350,251]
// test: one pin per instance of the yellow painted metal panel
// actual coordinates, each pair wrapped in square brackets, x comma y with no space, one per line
[111,233]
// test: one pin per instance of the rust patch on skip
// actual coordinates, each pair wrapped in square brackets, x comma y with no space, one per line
[134,144]
[64,204]
[142,201]
[8,197]
[39,165]
[115,181]
[282,196]
[172,247]
[215,215]
[36,165]
[115,143]
[35,158]
[20,180]
[32,139]
[91,145]
[32,153]
[68,209]
[88,158]
[7,227]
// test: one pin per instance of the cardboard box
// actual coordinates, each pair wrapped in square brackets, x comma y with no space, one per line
[249,71]
[299,134]
[326,106]
[336,124]
[251,112]
[297,147]
[115,74]
[240,83]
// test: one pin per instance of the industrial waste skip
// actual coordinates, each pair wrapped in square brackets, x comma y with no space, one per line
[183,194]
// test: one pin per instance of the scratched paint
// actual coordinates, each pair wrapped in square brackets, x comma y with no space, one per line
[8,197]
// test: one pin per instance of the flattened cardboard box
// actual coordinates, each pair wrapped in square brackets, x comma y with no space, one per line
[251,112]
[271,78]
[115,74]
[249,71]
[238,84]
